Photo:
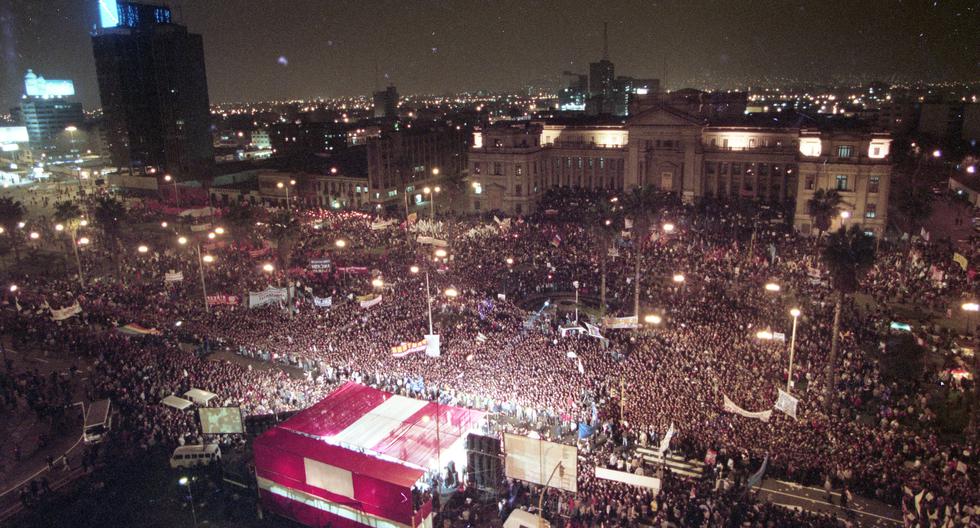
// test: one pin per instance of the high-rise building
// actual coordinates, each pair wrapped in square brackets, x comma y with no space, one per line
[386,103]
[52,121]
[154,90]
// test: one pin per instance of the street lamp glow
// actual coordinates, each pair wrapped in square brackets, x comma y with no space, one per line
[83,222]
[166,177]
[441,253]
[426,190]
[773,287]
[280,185]
[937,153]
[668,228]
[219,230]
[971,307]
[414,269]
[340,243]
[35,235]
[163,225]
[451,293]
[183,481]
[764,334]
[59,227]
[652,319]
[142,249]
[267,267]
[13,287]
[437,189]
[182,240]
[21,225]
[211,236]
[510,261]
[71,128]
[435,172]
[377,283]
[83,241]
[845,214]
[678,278]
[208,258]
[795,312]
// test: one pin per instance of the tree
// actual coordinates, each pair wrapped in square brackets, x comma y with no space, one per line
[849,255]
[284,229]
[12,213]
[240,219]
[640,205]
[110,215]
[823,207]
[69,215]
[915,203]
[605,221]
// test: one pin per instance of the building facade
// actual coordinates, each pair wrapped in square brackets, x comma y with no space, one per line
[511,165]
[53,122]
[154,91]
[403,162]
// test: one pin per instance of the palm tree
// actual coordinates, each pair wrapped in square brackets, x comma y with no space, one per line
[823,207]
[12,213]
[109,215]
[284,228]
[849,254]
[605,221]
[70,215]
[915,202]
[640,205]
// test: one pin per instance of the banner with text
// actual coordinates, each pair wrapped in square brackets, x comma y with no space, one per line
[222,300]
[620,322]
[730,406]
[786,403]
[367,301]
[64,313]
[323,302]
[319,265]
[406,349]
[268,296]
[173,276]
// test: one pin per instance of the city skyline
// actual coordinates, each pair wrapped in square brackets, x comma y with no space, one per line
[312,49]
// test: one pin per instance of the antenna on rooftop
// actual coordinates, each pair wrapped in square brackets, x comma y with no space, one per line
[605,41]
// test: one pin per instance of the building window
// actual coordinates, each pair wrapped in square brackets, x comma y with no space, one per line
[841,182]
[751,142]
[519,169]
[497,170]
[579,163]
[476,167]
[845,151]
[870,211]
[714,142]
[517,190]
[517,209]
[809,182]
[736,168]
[602,163]
[873,184]
[476,205]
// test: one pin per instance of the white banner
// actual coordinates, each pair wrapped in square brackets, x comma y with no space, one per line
[730,406]
[593,330]
[379,225]
[620,322]
[422,239]
[200,227]
[665,442]
[173,276]
[367,301]
[432,345]
[64,313]
[563,331]
[323,302]
[267,296]
[628,478]
[787,403]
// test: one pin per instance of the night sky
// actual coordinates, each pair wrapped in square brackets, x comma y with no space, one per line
[277,49]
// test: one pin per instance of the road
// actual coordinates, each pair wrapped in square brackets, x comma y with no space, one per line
[863,511]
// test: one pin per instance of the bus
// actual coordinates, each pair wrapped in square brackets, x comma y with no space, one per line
[98,421]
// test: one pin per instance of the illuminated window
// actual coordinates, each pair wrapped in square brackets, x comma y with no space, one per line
[476,167]
[870,211]
[841,182]
[873,184]
[519,169]
[845,151]
[809,183]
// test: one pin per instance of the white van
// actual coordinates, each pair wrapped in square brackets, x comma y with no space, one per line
[195,455]
[98,421]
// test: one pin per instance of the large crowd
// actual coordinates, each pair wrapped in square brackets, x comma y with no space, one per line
[502,350]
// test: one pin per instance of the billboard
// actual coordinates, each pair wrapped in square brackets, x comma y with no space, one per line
[221,420]
[537,461]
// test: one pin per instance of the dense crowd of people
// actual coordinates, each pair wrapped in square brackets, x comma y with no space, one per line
[502,349]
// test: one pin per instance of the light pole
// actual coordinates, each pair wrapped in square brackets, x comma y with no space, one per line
[169,178]
[200,266]
[575,283]
[795,312]
[431,192]
[184,481]
[282,185]
[428,294]
[74,245]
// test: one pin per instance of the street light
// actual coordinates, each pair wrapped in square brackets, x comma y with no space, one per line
[35,235]
[208,258]
[184,481]
[414,269]
[83,241]
[441,253]
[668,228]
[13,287]
[142,249]
[795,312]
[282,185]
[678,278]
[432,199]
[59,227]
[169,178]
[377,283]
[182,240]
[653,319]
[773,287]
[341,243]
[268,268]
[575,284]
[451,292]
[510,261]
[219,230]
[163,225]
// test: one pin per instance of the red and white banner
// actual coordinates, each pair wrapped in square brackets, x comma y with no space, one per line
[227,300]
[406,349]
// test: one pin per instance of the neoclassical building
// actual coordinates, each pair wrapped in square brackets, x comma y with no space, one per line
[775,159]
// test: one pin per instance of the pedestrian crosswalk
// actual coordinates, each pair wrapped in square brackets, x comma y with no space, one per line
[677,464]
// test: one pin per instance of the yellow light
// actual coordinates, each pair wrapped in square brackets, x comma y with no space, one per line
[167,177]
[441,253]
[668,228]
[438,189]
[59,227]
[142,249]
[13,287]
[35,235]
[845,214]
[377,283]
[764,334]
[208,258]
[268,267]
[678,277]
[83,223]
[211,236]
[971,307]
[219,230]
[510,261]
[182,240]
[426,190]
[652,319]
[795,312]
[163,225]
[451,292]
[280,185]
[414,269]
[773,287]
[82,241]
[341,243]
[435,171]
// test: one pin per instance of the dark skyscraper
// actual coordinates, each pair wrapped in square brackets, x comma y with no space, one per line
[601,76]
[386,103]
[154,90]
